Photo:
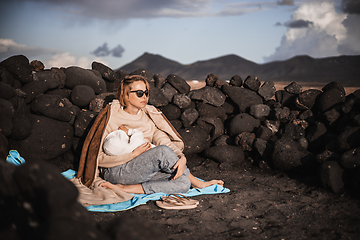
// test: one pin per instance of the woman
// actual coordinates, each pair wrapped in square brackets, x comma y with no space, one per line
[145,169]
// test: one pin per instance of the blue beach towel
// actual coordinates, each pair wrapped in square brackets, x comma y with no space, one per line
[138,199]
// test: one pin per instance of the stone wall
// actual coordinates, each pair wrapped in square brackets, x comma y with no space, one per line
[46,114]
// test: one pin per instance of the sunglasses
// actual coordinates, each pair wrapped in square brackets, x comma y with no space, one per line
[140,93]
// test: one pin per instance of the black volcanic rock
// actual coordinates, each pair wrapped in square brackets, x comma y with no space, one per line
[34,89]
[168,91]
[244,98]
[171,111]
[236,81]
[230,154]
[243,122]
[350,159]
[349,138]
[211,79]
[178,83]
[181,100]
[267,90]
[51,78]
[252,83]
[336,85]
[217,129]
[6,115]
[290,155]
[189,116]
[49,139]
[6,91]
[328,99]
[157,98]
[106,72]
[79,76]
[82,95]
[331,175]
[84,122]
[245,140]
[315,134]
[260,110]
[159,80]
[6,77]
[207,110]
[293,88]
[208,95]
[19,67]
[195,138]
[52,106]
[21,121]
[307,99]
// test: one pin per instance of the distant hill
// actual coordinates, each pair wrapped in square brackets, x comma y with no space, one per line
[344,69]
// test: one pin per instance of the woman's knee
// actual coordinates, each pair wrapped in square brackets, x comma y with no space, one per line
[183,184]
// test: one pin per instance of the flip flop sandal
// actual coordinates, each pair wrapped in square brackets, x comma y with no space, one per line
[173,201]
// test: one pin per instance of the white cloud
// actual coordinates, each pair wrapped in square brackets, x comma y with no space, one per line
[66,60]
[9,47]
[320,39]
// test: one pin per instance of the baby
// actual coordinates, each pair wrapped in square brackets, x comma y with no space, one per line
[122,141]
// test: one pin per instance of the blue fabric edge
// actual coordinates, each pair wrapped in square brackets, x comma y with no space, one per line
[141,199]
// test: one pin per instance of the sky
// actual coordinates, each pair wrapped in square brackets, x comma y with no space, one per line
[62,33]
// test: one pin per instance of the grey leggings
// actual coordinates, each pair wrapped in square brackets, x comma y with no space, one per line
[153,170]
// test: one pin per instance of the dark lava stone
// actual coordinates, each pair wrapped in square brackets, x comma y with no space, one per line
[82,95]
[6,115]
[49,139]
[196,139]
[224,140]
[336,85]
[267,90]
[149,76]
[245,140]
[189,116]
[260,110]
[65,93]
[211,79]
[21,121]
[52,106]
[294,131]
[79,76]
[264,133]
[242,97]
[220,154]
[207,110]
[307,99]
[168,91]
[34,89]
[19,67]
[157,98]
[350,159]
[178,83]
[177,124]
[263,147]
[159,80]
[290,155]
[217,128]
[243,122]
[315,134]
[285,99]
[331,175]
[349,138]
[181,100]
[210,95]
[6,91]
[83,122]
[6,77]
[252,83]
[293,88]
[48,76]
[106,72]
[171,111]
[236,81]
[328,99]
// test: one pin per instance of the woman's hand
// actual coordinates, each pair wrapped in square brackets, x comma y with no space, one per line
[180,167]
[141,149]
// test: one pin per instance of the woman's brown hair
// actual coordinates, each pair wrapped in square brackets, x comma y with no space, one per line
[124,87]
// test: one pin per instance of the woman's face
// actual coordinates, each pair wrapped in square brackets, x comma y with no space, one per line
[134,101]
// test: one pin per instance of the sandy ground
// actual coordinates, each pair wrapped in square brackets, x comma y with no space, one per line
[260,205]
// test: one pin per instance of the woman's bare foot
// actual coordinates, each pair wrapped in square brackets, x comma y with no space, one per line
[136,188]
[196,183]
[109,185]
